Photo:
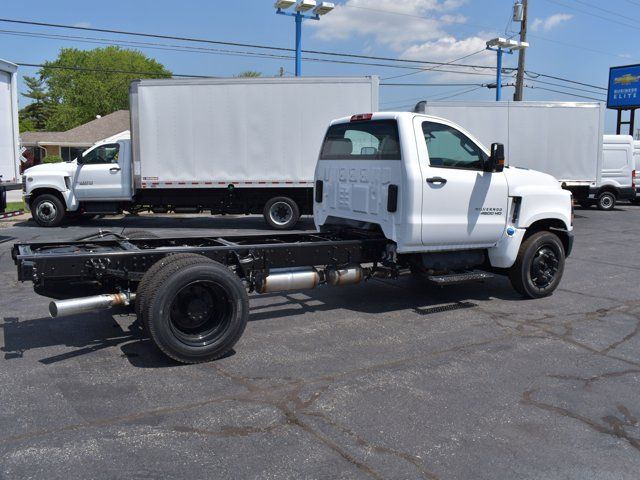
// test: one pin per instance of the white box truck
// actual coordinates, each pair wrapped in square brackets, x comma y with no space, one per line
[236,146]
[563,139]
[9,170]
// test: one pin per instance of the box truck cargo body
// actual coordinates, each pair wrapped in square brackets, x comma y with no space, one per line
[563,139]
[236,146]
[9,172]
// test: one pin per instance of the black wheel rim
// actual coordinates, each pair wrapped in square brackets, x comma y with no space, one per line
[544,267]
[200,313]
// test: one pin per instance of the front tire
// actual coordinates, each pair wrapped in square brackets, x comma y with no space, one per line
[197,311]
[281,213]
[539,265]
[606,201]
[47,210]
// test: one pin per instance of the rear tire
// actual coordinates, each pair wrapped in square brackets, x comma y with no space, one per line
[281,213]
[606,201]
[47,210]
[146,285]
[197,310]
[539,265]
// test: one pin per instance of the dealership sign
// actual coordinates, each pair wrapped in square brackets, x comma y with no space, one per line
[624,87]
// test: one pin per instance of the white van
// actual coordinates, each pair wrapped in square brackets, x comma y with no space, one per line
[618,173]
[636,159]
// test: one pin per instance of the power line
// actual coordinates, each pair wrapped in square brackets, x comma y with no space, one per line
[431,84]
[553,77]
[104,70]
[282,49]
[587,12]
[564,93]
[563,86]
[609,12]
[434,68]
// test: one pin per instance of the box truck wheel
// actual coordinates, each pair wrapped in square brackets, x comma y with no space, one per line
[606,201]
[539,265]
[281,213]
[47,210]
[197,310]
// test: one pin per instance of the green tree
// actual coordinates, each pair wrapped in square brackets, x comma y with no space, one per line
[85,83]
[249,74]
[35,115]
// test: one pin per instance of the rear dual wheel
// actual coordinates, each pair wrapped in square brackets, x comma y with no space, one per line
[195,309]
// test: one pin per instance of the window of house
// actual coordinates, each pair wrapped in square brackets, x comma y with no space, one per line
[70,153]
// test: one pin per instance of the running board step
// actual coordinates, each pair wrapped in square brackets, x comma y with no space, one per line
[455,278]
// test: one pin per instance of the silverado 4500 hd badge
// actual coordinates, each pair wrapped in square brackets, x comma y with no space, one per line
[489,211]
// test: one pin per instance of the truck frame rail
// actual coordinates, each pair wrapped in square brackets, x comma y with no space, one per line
[125,261]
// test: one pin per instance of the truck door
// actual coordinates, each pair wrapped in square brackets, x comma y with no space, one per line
[462,206]
[100,174]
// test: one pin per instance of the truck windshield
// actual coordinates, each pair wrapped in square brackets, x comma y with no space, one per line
[373,140]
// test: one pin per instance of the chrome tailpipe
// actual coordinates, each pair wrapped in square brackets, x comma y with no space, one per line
[60,308]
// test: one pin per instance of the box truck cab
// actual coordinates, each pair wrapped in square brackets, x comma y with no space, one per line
[617,176]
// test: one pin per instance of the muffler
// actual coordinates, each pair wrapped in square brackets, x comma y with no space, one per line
[337,277]
[60,308]
[283,279]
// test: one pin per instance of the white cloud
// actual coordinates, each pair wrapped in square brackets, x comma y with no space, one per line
[550,22]
[411,22]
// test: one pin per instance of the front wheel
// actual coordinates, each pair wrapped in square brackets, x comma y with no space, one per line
[606,201]
[539,266]
[47,210]
[281,213]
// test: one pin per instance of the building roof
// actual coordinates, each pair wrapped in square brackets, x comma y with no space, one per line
[82,136]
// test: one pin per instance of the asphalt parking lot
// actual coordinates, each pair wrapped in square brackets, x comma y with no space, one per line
[381,380]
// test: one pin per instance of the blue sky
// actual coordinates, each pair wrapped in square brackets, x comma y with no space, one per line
[576,39]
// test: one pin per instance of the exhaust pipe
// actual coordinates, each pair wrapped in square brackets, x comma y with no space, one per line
[60,308]
[337,277]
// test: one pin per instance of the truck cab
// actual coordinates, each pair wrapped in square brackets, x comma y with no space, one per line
[443,198]
[96,182]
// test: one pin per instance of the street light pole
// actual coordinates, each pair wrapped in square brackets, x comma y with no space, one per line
[298,44]
[502,46]
[302,6]
[499,76]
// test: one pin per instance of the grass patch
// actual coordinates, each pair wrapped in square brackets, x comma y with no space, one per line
[11,206]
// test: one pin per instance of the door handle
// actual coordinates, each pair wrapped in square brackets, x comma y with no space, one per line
[437,180]
[114,169]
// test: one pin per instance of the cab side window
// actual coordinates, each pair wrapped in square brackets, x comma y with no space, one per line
[450,148]
[102,155]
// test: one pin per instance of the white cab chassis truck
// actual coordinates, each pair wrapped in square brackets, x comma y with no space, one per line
[225,146]
[395,193]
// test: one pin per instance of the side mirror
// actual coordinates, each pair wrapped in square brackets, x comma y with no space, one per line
[495,163]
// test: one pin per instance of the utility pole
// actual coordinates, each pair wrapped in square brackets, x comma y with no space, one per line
[517,96]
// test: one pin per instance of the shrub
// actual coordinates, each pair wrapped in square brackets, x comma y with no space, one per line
[52,159]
